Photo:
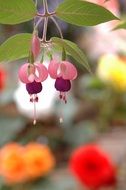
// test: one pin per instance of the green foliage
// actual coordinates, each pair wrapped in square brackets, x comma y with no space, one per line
[78,12]
[73,50]
[65,181]
[120,26]
[83,13]
[16,47]
[93,89]
[16,11]
[9,127]
[86,131]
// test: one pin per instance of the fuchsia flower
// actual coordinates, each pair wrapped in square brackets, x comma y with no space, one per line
[63,72]
[32,76]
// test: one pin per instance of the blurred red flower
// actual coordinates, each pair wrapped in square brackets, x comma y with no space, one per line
[2,78]
[93,167]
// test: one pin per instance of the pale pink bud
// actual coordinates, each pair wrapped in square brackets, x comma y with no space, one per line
[35,45]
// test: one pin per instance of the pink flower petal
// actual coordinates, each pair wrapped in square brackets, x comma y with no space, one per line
[31,77]
[53,69]
[68,70]
[42,72]
[23,73]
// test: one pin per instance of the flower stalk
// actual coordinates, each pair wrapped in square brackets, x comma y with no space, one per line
[46,15]
[45,29]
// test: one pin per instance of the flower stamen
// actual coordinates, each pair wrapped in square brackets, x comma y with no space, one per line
[34,121]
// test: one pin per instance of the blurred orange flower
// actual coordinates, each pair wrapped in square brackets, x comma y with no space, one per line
[39,160]
[22,163]
[12,163]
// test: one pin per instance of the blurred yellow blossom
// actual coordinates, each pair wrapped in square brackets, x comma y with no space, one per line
[112,69]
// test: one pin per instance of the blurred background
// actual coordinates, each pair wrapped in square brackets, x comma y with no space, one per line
[48,156]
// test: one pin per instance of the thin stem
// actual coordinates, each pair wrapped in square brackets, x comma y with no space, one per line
[46,14]
[55,22]
[37,24]
[36,2]
[45,5]
[45,29]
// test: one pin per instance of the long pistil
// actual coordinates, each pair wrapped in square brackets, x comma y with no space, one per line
[34,102]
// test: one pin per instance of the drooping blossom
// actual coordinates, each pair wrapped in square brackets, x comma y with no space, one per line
[33,76]
[64,72]
[92,167]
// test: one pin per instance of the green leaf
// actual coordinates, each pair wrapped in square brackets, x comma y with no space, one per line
[83,13]
[73,50]
[16,47]
[16,11]
[120,26]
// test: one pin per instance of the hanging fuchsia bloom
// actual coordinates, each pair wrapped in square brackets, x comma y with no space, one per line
[63,72]
[32,76]
[35,46]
